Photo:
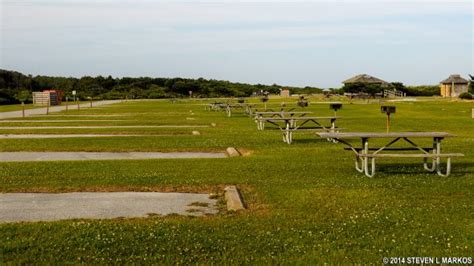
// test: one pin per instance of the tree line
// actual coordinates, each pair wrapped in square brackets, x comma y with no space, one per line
[16,87]
[13,86]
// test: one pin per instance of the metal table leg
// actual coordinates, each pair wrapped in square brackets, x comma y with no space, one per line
[433,160]
[371,172]
[438,159]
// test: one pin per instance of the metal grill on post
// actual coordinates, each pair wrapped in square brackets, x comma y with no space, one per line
[335,107]
[388,110]
[264,100]
[302,102]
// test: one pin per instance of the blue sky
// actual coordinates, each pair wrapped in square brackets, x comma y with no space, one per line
[298,43]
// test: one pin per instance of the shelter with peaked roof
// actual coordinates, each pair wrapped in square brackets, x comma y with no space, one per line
[366,79]
[453,86]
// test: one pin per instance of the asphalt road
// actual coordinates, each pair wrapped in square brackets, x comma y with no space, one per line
[52,109]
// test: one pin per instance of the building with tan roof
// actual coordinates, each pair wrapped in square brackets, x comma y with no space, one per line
[453,86]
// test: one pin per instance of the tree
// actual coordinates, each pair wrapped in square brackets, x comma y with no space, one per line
[156,92]
[371,89]
[23,96]
[354,87]
[398,86]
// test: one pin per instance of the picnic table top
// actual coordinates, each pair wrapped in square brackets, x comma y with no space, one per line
[299,118]
[337,135]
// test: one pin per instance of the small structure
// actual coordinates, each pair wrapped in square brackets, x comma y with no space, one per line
[393,93]
[453,86]
[285,93]
[47,97]
[366,79]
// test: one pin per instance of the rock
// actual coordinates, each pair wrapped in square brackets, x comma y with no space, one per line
[196,133]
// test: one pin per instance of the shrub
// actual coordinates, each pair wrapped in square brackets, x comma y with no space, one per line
[466,96]
[424,90]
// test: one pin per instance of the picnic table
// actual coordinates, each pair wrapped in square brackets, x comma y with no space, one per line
[229,107]
[364,153]
[289,124]
[247,108]
[216,106]
[259,116]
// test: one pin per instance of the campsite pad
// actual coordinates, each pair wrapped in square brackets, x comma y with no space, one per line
[54,136]
[16,207]
[62,121]
[84,156]
[96,127]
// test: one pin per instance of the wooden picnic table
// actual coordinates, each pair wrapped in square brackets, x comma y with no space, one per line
[289,124]
[364,152]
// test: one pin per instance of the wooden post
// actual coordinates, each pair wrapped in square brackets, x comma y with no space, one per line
[66,104]
[47,105]
[78,105]
[388,122]
[23,109]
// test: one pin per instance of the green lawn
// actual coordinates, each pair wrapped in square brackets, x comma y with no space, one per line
[306,203]
[15,107]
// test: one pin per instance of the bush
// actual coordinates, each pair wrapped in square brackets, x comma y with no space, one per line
[424,90]
[466,96]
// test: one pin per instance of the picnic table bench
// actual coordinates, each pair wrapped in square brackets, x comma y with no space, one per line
[289,124]
[364,153]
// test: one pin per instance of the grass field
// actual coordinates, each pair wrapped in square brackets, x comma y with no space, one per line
[15,107]
[306,203]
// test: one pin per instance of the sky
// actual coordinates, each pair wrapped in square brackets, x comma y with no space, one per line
[297,43]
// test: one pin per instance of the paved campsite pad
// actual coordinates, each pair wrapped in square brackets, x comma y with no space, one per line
[16,207]
[84,156]
[63,121]
[97,127]
[83,115]
[54,136]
